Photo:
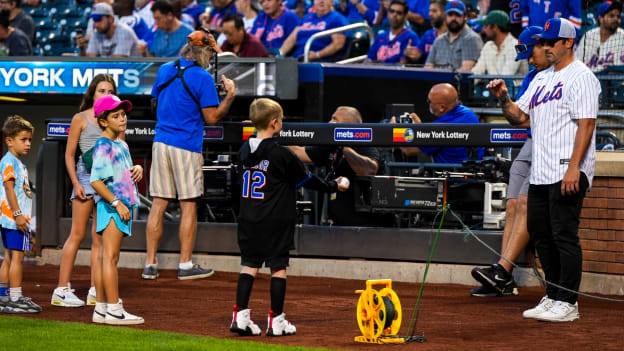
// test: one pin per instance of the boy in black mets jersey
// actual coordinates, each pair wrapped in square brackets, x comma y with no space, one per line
[270,175]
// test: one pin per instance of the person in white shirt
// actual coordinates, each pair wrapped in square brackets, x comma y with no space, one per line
[603,46]
[560,105]
[498,56]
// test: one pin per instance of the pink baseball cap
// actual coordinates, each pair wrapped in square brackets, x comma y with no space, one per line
[109,103]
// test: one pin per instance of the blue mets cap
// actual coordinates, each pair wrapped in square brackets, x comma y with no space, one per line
[608,6]
[557,28]
[526,41]
[455,6]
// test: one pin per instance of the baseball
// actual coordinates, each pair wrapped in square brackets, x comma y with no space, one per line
[344,182]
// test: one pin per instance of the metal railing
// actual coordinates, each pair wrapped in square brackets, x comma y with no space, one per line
[325,33]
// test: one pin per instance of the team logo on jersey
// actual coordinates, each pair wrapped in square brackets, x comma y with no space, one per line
[555,94]
[248,131]
[213,133]
[311,26]
[353,134]
[402,135]
[387,51]
[276,33]
[508,135]
[58,129]
[547,25]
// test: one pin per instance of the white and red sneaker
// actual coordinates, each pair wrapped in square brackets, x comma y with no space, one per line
[279,326]
[242,323]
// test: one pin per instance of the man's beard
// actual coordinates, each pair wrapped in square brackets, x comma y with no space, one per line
[454,27]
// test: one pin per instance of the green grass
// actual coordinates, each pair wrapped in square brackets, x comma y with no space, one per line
[18,333]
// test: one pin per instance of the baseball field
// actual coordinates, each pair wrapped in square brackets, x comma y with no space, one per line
[190,315]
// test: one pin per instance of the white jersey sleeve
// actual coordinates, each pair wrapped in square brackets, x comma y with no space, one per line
[584,96]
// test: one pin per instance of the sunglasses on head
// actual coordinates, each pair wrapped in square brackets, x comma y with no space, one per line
[391,11]
[523,48]
[549,42]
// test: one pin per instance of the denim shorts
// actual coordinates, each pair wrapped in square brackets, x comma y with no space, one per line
[84,178]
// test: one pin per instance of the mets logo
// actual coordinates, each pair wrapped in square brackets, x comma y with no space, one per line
[402,135]
[387,51]
[353,134]
[547,26]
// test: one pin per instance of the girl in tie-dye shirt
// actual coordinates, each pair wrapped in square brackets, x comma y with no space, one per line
[113,177]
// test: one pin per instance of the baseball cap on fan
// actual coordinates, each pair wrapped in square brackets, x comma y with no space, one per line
[109,103]
[608,6]
[557,28]
[100,10]
[526,41]
[456,6]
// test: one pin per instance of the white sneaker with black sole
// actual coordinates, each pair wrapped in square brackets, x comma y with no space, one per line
[543,306]
[65,297]
[242,323]
[560,311]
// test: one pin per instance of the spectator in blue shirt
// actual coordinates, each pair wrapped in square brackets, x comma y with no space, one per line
[444,104]
[390,45]
[170,34]
[323,19]
[274,25]
[191,11]
[417,52]
[418,11]
[358,10]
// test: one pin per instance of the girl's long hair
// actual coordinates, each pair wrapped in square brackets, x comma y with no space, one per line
[87,99]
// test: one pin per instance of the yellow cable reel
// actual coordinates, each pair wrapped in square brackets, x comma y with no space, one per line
[379,314]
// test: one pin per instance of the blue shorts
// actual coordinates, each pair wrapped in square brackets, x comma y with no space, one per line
[106,212]
[84,178]
[15,240]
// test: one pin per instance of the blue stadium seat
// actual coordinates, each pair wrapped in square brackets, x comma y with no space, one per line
[37,50]
[59,50]
[45,24]
[37,13]
[49,4]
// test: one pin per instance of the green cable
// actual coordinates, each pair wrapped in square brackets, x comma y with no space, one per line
[416,312]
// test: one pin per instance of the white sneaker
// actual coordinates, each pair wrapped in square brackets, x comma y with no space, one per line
[99,314]
[242,323]
[544,305]
[65,297]
[560,311]
[91,296]
[279,326]
[120,316]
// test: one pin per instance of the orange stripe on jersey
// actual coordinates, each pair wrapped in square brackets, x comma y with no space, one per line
[8,174]
[6,210]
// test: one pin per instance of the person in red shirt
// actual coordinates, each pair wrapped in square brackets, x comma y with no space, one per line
[240,42]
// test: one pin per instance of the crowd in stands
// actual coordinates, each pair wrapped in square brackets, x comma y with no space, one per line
[469,35]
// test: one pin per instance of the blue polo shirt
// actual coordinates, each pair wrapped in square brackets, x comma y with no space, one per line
[460,114]
[180,122]
[169,44]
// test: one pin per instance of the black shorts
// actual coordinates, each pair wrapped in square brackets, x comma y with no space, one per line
[274,262]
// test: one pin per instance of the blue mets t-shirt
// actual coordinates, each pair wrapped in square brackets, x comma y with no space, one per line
[426,42]
[460,114]
[217,15]
[180,122]
[311,24]
[111,165]
[13,169]
[391,51]
[273,32]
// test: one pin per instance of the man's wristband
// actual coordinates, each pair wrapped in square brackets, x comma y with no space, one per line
[504,99]
[17,213]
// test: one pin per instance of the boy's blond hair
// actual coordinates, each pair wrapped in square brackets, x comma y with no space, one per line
[262,111]
[16,124]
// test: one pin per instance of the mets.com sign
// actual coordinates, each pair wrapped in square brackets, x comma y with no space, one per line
[508,135]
